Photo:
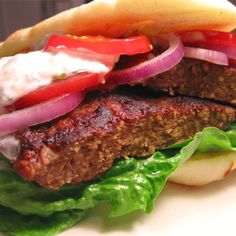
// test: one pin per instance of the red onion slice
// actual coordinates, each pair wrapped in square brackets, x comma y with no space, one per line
[40,113]
[230,51]
[215,57]
[161,63]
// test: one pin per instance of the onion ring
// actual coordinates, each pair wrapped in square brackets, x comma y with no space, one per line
[40,113]
[161,63]
[212,56]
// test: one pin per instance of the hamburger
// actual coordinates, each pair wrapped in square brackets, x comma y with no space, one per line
[105,102]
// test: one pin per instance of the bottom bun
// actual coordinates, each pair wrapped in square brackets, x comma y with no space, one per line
[204,168]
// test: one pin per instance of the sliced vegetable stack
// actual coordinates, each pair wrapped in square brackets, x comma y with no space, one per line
[42,105]
[212,46]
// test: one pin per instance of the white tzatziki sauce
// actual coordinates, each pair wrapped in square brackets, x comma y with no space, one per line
[23,73]
[9,147]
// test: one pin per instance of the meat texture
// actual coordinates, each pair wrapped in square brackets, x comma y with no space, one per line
[83,144]
[198,79]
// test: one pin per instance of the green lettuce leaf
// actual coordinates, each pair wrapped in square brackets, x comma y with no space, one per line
[13,223]
[131,184]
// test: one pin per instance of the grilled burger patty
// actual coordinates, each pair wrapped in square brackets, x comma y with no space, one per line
[198,79]
[84,143]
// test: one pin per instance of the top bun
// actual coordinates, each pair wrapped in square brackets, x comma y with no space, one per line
[118,18]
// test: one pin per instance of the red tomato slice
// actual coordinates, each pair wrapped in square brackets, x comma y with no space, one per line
[207,37]
[99,44]
[72,84]
[232,62]
[219,41]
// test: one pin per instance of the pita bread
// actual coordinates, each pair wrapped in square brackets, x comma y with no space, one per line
[117,18]
[204,168]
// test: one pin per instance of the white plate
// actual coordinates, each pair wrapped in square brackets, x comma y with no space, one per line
[180,210]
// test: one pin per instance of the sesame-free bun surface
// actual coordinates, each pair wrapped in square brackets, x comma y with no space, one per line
[117,18]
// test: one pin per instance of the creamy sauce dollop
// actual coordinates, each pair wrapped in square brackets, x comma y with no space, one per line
[9,147]
[23,73]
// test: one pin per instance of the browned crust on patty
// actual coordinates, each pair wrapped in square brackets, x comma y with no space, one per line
[199,79]
[84,143]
